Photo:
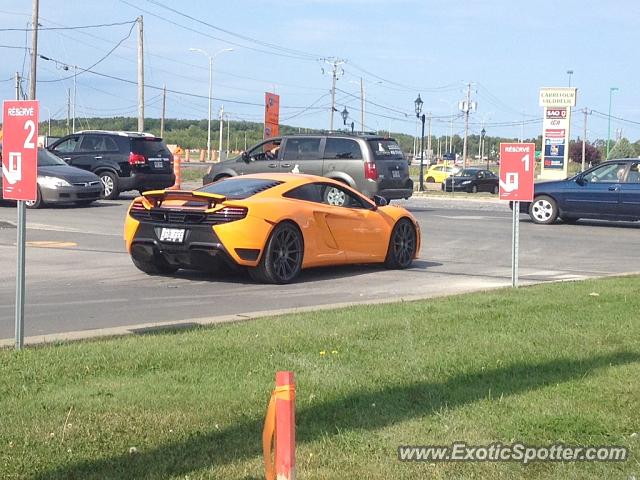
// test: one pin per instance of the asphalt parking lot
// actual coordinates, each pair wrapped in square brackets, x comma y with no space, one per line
[79,276]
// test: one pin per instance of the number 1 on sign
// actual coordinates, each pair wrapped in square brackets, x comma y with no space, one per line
[525,160]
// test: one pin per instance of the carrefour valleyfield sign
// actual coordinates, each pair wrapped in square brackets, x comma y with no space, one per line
[558,97]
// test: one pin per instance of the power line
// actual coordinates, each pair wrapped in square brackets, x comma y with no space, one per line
[66,28]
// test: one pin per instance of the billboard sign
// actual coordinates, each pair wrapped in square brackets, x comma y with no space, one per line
[517,166]
[20,149]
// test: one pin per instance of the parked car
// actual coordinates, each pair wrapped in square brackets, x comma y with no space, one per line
[274,224]
[438,173]
[608,191]
[371,164]
[60,183]
[123,160]
[472,180]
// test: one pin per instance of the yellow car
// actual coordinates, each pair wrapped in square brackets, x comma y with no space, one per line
[438,173]
[273,224]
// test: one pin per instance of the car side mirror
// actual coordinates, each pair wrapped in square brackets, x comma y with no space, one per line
[246,157]
[581,181]
[379,201]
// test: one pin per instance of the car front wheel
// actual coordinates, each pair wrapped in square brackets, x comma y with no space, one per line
[543,210]
[109,185]
[37,203]
[402,245]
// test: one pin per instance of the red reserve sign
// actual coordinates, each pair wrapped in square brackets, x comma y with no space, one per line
[517,165]
[20,149]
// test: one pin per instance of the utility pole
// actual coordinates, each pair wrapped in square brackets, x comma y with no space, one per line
[466,109]
[34,49]
[164,109]
[221,127]
[228,133]
[73,111]
[362,105]
[68,110]
[584,138]
[140,75]
[334,62]
[18,80]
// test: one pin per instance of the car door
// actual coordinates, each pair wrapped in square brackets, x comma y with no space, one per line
[354,223]
[597,192]
[262,158]
[630,192]
[65,148]
[302,155]
[89,152]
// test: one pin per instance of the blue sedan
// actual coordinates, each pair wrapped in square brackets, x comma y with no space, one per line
[608,191]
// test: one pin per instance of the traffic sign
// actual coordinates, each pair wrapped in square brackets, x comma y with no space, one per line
[20,149]
[517,165]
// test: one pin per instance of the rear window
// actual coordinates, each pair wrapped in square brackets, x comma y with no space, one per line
[386,150]
[150,147]
[239,188]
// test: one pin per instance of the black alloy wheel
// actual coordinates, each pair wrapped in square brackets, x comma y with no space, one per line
[281,261]
[402,245]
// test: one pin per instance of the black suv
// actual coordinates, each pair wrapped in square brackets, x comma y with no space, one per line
[123,160]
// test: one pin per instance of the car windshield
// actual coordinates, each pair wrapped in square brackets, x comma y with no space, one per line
[467,172]
[239,188]
[48,159]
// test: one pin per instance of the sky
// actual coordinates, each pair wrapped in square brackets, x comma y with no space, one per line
[506,49]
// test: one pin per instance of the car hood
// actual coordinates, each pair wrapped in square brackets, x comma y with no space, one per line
[550,184]
[68,173]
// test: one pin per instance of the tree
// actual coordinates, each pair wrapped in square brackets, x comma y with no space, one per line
[591,153]
[622,149]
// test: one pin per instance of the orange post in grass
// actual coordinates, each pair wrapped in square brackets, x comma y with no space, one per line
[176,171]
[279,433]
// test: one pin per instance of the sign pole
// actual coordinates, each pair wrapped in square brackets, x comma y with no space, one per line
[20,278]
[515,245]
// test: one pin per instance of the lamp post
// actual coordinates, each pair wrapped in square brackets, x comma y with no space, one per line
[418,102]
[569,72]
[483,132]
[611,90]
[211,58]
[345,114]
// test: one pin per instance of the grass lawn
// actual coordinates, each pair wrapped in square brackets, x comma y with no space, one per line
[541,365]
[193,173]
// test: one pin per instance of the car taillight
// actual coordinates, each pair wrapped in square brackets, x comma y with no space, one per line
[226,215]
[138,211]
[136,159]
[370,171]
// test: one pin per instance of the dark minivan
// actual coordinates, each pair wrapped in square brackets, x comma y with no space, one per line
[123,160]
[372,164]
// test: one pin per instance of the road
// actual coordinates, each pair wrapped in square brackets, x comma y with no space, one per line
[79,276]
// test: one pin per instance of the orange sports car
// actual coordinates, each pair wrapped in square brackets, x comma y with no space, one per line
[273,224]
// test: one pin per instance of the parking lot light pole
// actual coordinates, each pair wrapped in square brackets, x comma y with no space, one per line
[418,102]
[611,90]
[483,132]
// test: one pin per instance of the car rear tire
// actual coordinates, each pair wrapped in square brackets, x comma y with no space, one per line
[37,203]
[474,189]
[496,190]
[402,245]
[156,266]
[543,210]
[109,185]
[281,260]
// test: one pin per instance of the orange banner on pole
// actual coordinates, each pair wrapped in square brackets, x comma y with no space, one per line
[271,115]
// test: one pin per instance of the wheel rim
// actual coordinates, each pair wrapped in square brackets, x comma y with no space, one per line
[495,190]
[286,254]
[404,243]
[107,185]
[474,189]
[335,197]
[542,210]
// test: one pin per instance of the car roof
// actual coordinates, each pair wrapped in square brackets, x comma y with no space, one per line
[290,178]
[121,133]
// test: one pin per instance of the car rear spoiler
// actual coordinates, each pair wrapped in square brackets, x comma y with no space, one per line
[156,197]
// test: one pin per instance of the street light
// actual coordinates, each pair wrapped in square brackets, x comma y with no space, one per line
[211,58]
[611,90]
[483,132]
[569,72]
[345,115]
[418,102]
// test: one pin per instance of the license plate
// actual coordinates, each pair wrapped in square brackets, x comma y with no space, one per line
[395,173]
[157,163]
[172,235]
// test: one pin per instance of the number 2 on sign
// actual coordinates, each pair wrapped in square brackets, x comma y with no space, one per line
[31,126]
[525,160]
